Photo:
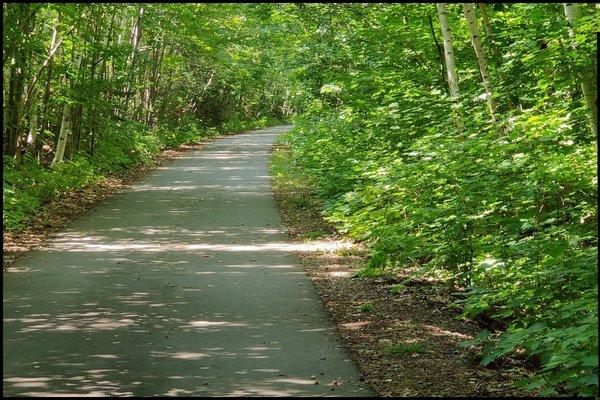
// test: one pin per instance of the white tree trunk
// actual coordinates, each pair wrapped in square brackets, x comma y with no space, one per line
[587,77]
[33,128]
[487,26]
[449,57]
[136,35]
[54,46]
[62,138]
[483,67]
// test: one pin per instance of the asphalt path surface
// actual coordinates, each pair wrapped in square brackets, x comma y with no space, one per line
[184,285]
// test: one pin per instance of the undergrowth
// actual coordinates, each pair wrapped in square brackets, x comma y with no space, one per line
[510,218]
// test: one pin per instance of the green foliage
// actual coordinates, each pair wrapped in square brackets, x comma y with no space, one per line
[405,348]
[506,210]
[397,288]
[367,308]
[26,187]
[197,71]
[237,125]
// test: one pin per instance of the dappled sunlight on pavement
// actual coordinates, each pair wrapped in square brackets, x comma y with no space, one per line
[183,286]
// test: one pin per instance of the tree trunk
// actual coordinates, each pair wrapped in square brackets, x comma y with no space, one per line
[22,13]
[62,138]
[46,98]
[588,78]
[487,26]
[483,67]
[77,113]
[13,110]
[156,68]
[136,36]
[33,126]
[450,66]
[439,51]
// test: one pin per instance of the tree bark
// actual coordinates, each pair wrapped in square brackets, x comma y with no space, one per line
[53,50]
[136,36]
[33,126]
[483,67]
[450,66]
[62,138]
[439,51]
[487,26]
[77,112]
[45,100]
[587,76]
[22,12]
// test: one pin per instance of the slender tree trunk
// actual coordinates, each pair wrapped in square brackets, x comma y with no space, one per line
[588,78]
[487,26]
[450,66]
[33,125]
[285,108]
[439,51]
[77,113]
[46,99]
[13,111]
[135,41]
[121,29]
[53,50]
[483,67]
[62,138]
[157,64]
[22,12]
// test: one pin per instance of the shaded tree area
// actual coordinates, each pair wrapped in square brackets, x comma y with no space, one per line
[457,141]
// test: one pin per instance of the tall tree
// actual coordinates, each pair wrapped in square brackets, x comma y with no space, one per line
[61,144]
[483,66]
[18,57]
[449,57]
[587,76]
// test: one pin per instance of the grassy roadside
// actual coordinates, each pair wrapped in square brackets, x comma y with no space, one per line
[403,336]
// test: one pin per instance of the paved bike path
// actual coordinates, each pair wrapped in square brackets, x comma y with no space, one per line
[184,285]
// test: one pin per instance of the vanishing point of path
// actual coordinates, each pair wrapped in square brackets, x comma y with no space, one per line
[185,285]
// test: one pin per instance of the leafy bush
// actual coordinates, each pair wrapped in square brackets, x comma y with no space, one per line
[510,217]
[505,209]
[27,187]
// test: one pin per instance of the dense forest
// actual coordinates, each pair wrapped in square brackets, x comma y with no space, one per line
[457,141]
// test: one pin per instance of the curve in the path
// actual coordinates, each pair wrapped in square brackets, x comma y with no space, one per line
[185,285]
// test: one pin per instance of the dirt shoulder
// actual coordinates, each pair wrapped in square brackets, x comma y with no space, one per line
[66,207]
[404,338]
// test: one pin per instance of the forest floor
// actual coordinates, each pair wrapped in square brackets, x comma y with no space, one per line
[68,206]
[405,338]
